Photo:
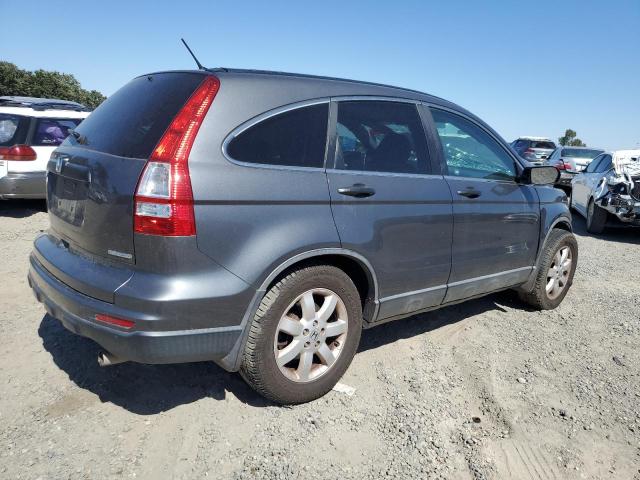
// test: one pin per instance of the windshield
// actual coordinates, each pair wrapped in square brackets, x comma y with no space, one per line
[580,153]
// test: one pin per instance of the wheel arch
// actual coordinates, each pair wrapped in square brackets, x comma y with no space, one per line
[355,265]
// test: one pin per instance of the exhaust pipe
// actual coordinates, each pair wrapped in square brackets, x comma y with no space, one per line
[106,359]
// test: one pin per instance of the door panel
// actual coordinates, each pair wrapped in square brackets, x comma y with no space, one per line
[404,230]
[495,234]
[496,220]
[386,205]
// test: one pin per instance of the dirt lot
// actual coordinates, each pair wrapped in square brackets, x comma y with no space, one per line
[483,390]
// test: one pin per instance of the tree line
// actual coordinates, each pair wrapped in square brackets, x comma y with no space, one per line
[45,84]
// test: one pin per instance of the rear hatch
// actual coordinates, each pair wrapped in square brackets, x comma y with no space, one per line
[542,149]
[92,176]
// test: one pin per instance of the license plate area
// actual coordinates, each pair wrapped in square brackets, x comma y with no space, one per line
[67,199]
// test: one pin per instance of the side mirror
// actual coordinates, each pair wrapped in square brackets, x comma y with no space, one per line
[540,175]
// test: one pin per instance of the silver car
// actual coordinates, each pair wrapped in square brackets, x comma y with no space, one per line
[534,149]
[571,161]
[608,187]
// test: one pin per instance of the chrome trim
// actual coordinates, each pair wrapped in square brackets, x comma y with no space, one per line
[453,284]
[373,98]
[385,174]
[414,292]
[492,275]
[485,180]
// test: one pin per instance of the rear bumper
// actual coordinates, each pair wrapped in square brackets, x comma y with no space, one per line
[142,343]
[23,185]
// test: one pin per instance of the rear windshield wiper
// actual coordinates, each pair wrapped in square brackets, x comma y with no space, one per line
[81,139]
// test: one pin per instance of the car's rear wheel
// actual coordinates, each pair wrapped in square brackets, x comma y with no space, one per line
[304,335]
[596,218]
[555,271]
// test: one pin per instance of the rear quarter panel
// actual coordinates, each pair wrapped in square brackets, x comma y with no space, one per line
[252,218]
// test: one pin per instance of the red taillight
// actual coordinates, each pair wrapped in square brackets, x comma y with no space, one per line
[120,322]
[560,165]
[164,199]
[18,152]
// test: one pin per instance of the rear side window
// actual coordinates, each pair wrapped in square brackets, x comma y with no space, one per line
[13,129]
[53,131]
[470,151]
[295,138]
[132,120]
[380,136]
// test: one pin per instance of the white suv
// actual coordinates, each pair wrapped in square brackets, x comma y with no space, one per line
[30,129]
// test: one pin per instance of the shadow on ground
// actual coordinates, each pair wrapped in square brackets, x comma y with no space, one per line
[138,388]
[426,322]
[615,231]
[150,389]
[21,208]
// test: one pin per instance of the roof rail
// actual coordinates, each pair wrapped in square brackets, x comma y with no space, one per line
[42,103]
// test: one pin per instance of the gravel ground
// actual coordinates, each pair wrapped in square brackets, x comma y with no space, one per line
[482,390]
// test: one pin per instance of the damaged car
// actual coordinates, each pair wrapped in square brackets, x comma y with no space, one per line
[608,188]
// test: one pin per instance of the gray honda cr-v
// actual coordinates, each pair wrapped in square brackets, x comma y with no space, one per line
[261,220]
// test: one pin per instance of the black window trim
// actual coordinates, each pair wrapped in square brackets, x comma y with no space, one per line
[518,166]
[269,114]
[331,144]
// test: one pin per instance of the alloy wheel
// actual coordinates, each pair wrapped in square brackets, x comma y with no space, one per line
[558,273]
[311,335]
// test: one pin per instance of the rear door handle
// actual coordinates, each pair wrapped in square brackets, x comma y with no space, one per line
[469,193]
[358,190]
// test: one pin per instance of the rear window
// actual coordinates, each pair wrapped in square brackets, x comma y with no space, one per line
[294,138]
[52,131]
[132,120]
[580,153]
[13,129]
[547,145]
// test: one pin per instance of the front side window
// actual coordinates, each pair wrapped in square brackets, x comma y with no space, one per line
[293,138]
[380,136]
[604,165]
[52,131]
[594,164]
[469,151]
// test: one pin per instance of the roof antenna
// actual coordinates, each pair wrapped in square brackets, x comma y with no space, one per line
[200,67]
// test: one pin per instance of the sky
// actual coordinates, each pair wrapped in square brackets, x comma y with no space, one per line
[526,68]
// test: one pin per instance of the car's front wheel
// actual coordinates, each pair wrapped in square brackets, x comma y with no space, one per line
[555,271]
[596,218]
[304,335]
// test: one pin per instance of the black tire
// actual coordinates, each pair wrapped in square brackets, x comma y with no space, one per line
[537,297]
[596,218]
[259,368]
[570,198]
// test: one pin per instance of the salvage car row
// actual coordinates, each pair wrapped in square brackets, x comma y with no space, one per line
[603,187]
